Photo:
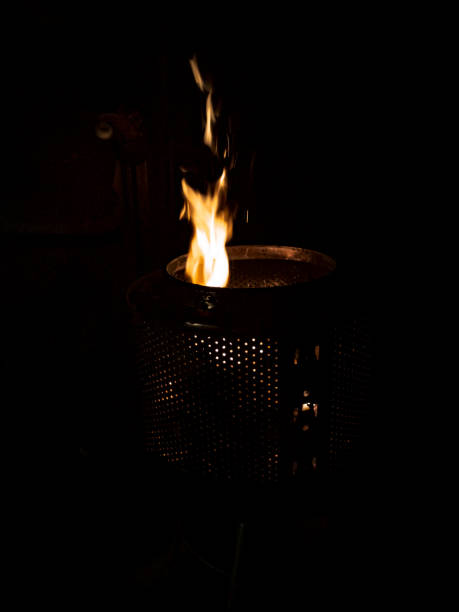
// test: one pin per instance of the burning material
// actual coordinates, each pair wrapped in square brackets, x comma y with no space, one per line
[207,261]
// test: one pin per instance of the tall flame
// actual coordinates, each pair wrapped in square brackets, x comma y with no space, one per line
[207,262]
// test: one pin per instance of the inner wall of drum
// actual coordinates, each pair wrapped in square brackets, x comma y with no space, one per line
[266,266]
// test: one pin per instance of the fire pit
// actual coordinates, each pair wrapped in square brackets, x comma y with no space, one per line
[263,380]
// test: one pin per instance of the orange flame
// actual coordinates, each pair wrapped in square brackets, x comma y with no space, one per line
[207,262]
[209,138]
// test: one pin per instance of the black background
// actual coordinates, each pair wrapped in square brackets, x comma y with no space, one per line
[311,101]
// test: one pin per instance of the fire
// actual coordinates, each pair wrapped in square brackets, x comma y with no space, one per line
[209,138]
[207,262]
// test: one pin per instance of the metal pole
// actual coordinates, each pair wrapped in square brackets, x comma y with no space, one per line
[235,571]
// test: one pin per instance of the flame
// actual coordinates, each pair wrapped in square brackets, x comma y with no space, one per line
[209,138]
[207,262]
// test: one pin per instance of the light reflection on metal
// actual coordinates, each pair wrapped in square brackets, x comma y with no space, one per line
[104,131]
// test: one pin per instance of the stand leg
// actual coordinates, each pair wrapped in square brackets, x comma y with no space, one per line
[235,570]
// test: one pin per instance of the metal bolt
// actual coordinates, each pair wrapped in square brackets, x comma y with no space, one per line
[208,302]
[104,130]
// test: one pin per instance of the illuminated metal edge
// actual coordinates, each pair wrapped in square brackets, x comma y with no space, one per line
[241,252]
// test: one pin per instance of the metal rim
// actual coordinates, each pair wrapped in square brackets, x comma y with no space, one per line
[260,252]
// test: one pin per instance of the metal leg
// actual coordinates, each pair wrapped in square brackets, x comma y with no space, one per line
[235,570]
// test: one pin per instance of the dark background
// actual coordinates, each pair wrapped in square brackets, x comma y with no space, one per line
[310,117]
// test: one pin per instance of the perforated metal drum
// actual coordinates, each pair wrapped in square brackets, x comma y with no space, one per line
[260,381]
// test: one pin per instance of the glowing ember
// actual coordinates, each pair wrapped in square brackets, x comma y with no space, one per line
[207,262]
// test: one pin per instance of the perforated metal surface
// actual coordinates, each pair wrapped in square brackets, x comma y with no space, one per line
[212,402]
[350,389]
[252,273]
[253,408]
[230,394]
[267,266]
